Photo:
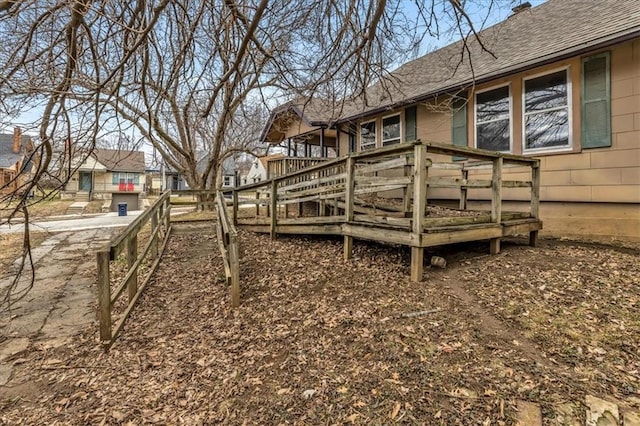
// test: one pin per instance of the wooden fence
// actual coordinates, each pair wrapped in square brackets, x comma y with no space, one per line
[229,248]
[127,244]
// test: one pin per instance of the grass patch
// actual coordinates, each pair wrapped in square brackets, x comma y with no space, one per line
[38,208]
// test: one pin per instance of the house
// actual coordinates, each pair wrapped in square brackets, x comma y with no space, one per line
[259,169]
[560,82]
[109,174]
[16,161]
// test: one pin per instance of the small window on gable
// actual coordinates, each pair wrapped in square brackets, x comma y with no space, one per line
[493,119]
[391,130]
[546,112]
[368,135]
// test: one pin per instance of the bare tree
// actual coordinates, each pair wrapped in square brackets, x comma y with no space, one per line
[191,76]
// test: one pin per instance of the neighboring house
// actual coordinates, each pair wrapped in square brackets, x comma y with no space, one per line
[561,82]
[108,174]
[258,171]
[16,161]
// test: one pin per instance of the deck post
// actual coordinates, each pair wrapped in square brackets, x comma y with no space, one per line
[419,205]
[348,204]
[535,200]
[463,190]
[154,226]
[406,202]
[132,256]
[104,296]
[235,207]
[274,208]
[496,201]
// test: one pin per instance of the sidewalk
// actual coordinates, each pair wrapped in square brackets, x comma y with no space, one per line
[61,302]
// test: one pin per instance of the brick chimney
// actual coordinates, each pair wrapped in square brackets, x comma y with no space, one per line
[521,8]
[17,139]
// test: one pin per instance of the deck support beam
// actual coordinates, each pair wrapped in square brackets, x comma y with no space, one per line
[420,171]
[274,208]
[535,200]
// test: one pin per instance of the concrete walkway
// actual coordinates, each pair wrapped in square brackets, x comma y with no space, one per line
[62,300]
[106,220]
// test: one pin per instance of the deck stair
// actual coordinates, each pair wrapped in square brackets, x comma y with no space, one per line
[383,195]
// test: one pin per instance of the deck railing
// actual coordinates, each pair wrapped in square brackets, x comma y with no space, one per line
[410,172]
[110,258]
[284,165]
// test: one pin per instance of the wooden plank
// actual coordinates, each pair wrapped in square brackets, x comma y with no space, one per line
[312,220]
[448,182]
[383,180]
[154,233]
[372,189]
[312,182]
[438,222]
[383,165]
[485,232]
[234,261]
[132,256]
[274,208]
[516,184]
[447,166]
[420,171]
[378,233]
[496,191]
[235,207]
[349,204]
[476,153]
[463,191]
[289,195]
[327,229]
[385,220]
[535,190]
[327,196]
[407,193]
[104,296]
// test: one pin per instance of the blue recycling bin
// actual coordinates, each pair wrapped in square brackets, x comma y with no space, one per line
[122,209]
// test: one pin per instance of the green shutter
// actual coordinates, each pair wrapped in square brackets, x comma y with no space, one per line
[459,125]
[410,124]
[115,179]
[596,101]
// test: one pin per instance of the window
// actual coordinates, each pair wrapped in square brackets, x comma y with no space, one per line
[493,119]
[546,112]
[391,130]
[459,124]
[125,178]
[368,135]
[227,181]
[596,101]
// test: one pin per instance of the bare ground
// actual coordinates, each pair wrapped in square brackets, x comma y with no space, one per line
[321,341]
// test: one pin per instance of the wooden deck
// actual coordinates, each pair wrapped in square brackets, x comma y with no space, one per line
[345,196]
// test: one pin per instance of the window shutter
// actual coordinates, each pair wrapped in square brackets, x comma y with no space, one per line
[596,101]
[115,179]
[410,124]
[459,125]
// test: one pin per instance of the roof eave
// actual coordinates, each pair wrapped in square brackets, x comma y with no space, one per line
[557,56]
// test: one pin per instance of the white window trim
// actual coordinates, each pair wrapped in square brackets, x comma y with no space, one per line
[475,115]
[566,148]
[382,140]
[375,144]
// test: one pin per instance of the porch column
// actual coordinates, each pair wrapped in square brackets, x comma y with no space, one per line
[289,147]
[322,152]
[306,148]
[337,141]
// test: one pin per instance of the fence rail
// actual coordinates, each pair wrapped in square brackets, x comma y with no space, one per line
[127,244]
[229,248]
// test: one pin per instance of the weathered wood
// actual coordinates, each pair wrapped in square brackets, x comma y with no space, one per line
[476,153]
[407,193]
[382,180]
[449,182]
[481,232]
[386,220]
[104,296]
[419,205]
[383,165]
[381,234]
[535,190]
[311,220]
[463,191]
[235,208]
[516,184]
[494,246]
[496,202]
[349,201]
[447,166]
[154,233]
[274,208]
[312,183]
[234,261]
[372,189]
[132,256]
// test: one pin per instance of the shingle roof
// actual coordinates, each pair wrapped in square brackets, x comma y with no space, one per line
[7,157]
[120,160]
[546,33]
